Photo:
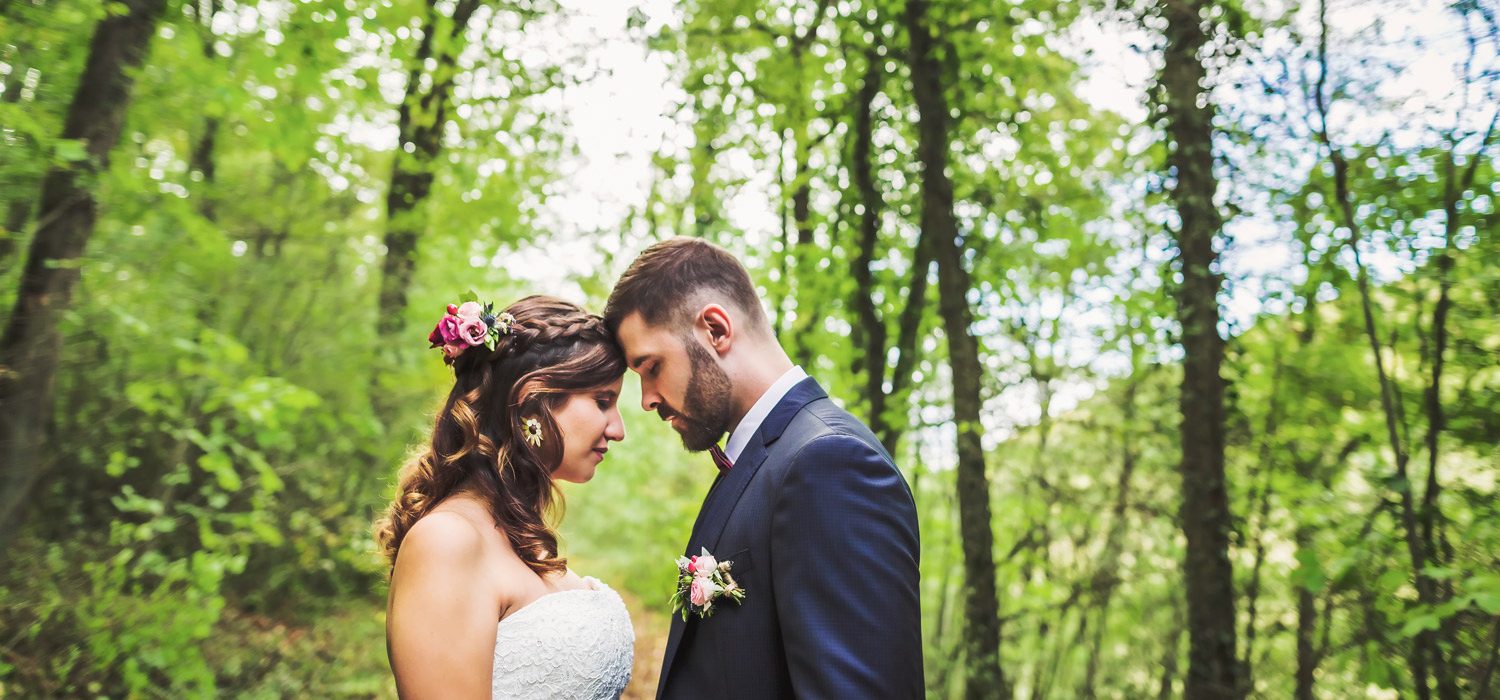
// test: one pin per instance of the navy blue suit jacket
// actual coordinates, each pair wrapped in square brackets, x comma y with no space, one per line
[822,532]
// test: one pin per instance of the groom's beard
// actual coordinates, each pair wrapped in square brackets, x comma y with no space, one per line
[707,408]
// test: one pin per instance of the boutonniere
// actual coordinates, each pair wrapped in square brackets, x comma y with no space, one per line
[702,581]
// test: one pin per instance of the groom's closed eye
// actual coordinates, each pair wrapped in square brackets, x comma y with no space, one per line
[640,362]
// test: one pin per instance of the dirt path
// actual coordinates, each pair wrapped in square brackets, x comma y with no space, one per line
[651,626]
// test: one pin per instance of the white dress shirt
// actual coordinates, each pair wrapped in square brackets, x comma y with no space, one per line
[762,408]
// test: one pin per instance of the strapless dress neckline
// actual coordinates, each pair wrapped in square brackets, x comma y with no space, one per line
[573,643]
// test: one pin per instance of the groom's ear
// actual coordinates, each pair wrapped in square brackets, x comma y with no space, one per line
[714,319]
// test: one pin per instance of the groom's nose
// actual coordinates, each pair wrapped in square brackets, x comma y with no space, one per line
[649,398]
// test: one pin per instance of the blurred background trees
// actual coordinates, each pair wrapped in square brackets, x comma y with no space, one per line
[1179,317]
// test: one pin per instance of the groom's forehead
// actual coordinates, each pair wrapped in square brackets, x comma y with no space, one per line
[641,340]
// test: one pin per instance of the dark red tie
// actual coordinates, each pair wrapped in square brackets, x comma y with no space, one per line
[721,460]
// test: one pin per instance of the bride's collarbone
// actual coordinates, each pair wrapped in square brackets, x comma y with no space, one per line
[519,590]
[513,583]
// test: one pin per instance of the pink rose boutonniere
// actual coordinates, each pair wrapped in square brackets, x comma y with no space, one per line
[703,581]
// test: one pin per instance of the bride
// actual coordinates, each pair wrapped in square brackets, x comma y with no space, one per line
[480,603]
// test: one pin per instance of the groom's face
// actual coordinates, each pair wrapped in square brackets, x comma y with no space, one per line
[680,380]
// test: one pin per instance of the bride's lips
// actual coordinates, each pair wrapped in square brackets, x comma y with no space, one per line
[600,451]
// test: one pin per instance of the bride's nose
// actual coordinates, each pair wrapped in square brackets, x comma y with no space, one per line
[615,428]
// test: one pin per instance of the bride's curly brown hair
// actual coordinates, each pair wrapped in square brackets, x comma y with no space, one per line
[554,349]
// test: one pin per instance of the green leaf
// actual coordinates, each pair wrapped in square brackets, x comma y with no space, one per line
[71,150]
[1422,622]
[1484,589]
[1309,573]
[221,468]
[1488,601]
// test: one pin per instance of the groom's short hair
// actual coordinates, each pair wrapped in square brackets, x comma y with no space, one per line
[667,282]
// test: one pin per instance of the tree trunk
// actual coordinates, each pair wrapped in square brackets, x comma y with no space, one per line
[1106,577]
[982,631]
[1455,183]
[202,157]
[1205,513]
[908,333]
[783,291]
[67,212]
[1483,692]
[869,329]
[1265,465]
[1169,664]
[705,214]
[871,332]
[809,300]
[805,255]
[1307,620]
[424,112]
[1424,657]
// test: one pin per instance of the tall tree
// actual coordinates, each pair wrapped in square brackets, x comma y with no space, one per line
[1188,112]
[66,215]
[424,114]
[1433,654]
[982,629]
[203,154]
[870,331]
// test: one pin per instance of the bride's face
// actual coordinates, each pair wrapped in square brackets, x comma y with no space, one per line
[588,421]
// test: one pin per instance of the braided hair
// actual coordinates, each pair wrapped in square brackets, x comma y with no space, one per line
[553,349]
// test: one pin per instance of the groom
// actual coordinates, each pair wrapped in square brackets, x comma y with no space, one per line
[818,522]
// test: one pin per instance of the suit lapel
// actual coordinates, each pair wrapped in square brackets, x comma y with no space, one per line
[726,492]
[721,500]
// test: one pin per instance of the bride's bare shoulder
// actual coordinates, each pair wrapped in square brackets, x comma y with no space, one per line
[443,538]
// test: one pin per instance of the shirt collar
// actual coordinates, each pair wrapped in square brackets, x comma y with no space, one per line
[740,438]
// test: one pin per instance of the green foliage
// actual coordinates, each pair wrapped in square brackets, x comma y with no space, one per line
[228,423]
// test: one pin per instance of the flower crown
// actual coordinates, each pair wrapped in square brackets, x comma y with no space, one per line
[468,325]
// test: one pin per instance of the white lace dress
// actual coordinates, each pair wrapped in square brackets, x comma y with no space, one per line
[568,644]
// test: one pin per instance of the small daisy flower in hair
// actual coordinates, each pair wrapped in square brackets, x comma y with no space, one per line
[531,431]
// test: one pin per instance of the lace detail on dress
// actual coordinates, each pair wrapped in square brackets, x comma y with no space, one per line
[568,644]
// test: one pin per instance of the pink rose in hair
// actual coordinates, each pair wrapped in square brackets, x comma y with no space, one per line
[448,329]
[470,311]
[472,331]
[452,351]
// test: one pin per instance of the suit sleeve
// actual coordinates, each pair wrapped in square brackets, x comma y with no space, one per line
[844,556]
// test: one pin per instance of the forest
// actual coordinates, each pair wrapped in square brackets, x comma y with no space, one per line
[1178,317]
